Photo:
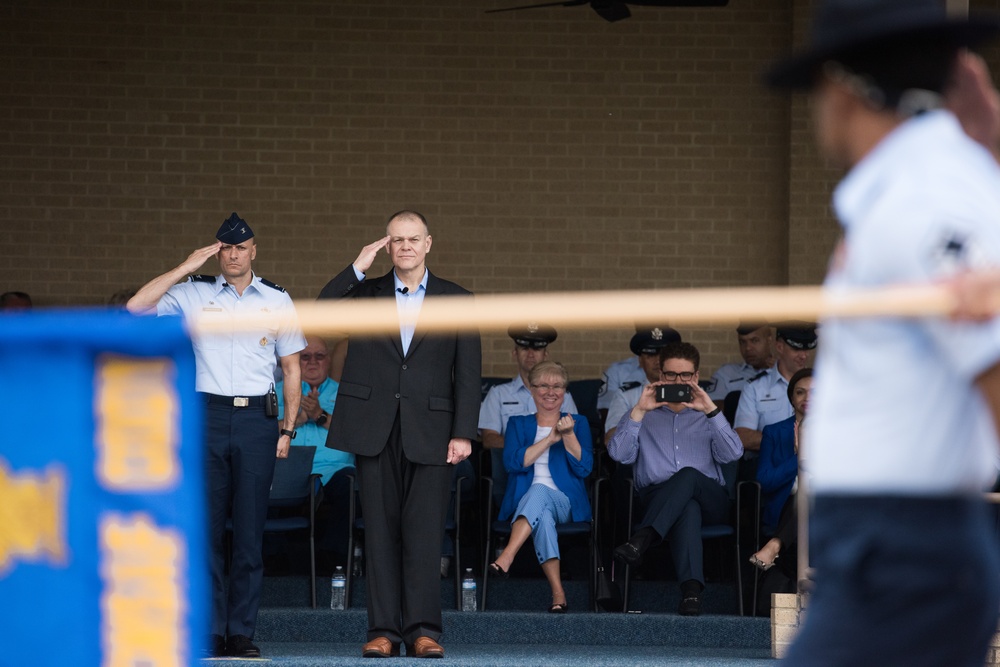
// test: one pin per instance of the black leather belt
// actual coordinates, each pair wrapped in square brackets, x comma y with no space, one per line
[237,401]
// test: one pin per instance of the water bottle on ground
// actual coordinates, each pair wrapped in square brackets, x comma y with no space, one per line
[338,588]
[469,597]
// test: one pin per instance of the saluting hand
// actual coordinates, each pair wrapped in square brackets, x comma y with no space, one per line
[199,257]
[367,255]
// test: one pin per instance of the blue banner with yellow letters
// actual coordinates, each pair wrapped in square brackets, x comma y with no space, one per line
[102,537]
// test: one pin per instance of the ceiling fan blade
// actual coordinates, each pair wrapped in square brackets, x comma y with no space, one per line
[565,3]
[611,10]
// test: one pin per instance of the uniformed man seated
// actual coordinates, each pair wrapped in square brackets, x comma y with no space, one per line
[625,373]
[764,400]
[645,345]
[503,401]
[756,341]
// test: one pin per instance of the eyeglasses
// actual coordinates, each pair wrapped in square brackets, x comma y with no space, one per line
[670,375]
[549,387]
[318,356]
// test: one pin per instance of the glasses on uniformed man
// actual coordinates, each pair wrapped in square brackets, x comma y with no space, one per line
[672,376]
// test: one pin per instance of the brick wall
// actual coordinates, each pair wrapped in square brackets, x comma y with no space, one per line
[550,150]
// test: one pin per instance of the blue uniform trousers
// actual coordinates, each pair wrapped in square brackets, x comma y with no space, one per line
[899,581]
[240,449]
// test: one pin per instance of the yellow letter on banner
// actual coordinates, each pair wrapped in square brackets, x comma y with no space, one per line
[136,411]
[143,605]
[32,516]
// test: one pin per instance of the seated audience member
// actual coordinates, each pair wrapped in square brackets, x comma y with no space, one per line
[764,399]
[120,298]
[778,466]
[503,401]
[319,394]
[756,347]
[645,345]
[625,374]
[15,301]
[678,450]
[548,456]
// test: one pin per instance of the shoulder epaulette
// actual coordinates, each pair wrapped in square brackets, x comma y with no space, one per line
[758,376]
[625,386]
[272,285]
[202,278]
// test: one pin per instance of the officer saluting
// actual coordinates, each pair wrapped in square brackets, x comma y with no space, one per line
[234,373]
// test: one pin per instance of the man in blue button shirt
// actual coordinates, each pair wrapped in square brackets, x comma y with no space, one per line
[234,372]
[678,450]
[407,408]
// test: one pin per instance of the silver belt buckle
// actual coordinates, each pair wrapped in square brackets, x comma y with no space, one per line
[240,401]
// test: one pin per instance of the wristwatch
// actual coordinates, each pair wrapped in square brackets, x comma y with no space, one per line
[322,418]
[290,434]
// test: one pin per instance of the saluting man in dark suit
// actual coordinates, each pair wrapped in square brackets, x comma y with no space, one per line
[408,409]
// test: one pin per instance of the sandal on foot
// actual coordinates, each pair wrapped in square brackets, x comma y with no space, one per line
[761,565]
[558,608]
[498,571]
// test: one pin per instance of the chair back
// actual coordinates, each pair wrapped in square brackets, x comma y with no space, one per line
[291,475]
[730,404]
[729,473]
[585,393]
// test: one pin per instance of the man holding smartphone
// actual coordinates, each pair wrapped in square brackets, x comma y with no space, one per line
[678,448]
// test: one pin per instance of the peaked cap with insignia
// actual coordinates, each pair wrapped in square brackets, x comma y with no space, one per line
[532,335]
[650,340]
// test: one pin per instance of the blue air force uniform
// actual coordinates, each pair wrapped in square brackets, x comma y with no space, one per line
[234,371]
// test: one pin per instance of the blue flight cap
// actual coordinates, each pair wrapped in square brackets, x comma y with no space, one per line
[234,230]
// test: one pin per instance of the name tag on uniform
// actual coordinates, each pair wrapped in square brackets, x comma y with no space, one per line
[211,310]
[510,403]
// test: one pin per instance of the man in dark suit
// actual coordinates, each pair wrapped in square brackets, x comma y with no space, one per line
[408,409]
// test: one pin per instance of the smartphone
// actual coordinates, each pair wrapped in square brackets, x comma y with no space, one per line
[673,393]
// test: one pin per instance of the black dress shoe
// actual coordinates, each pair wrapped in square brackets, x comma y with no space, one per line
[240,646]
[628,554]
[215,648]
[689,606]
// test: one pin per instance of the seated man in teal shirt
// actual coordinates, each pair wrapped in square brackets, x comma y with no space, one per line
[319,393]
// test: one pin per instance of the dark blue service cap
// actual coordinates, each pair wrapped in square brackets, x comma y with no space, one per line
[234,230]
[650,340]
[534,335]
[798,334]
[749,326]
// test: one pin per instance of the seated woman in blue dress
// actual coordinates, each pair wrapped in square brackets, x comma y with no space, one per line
[777,472]
[547,456]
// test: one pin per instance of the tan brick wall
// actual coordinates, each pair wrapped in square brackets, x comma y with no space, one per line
[550,149]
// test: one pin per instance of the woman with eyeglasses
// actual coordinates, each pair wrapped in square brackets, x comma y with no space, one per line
[548,456]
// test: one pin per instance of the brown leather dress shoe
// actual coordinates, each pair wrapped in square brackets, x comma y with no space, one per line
[425,647]
[380,647]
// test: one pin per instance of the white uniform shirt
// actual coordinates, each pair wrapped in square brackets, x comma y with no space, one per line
[730,377]
[764,401]
[239,363]
[506,400]
[895,408]
[622,402]
[624,372]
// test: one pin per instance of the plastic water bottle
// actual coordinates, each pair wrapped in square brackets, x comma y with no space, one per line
[338,588]
[469,598]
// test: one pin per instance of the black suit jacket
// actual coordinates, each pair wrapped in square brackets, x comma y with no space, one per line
[435,386]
